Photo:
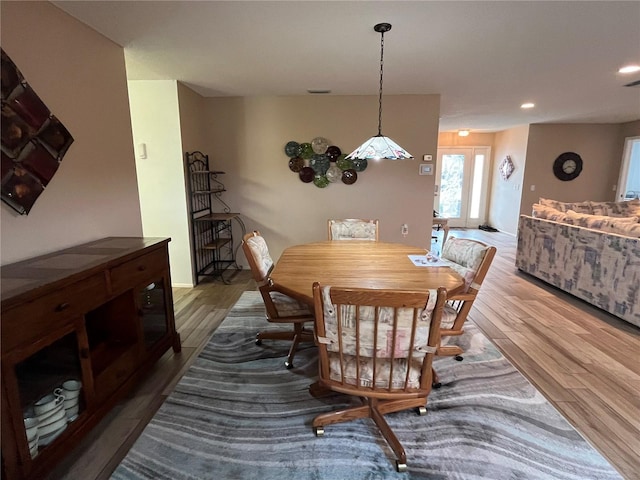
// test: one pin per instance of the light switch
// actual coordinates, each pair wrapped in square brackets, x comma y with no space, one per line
[142,150]
[427,158]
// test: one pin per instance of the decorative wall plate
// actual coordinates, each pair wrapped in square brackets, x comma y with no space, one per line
[321,163]
[334,173]
[292,149]
[349,176]
[333,153]
[306,151]
[319,144]
[307,174]
[296,164]
[320,181]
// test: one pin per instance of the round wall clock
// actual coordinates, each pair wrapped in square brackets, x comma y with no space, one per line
[567,166]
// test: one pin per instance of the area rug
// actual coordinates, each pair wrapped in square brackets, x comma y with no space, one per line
[238,413]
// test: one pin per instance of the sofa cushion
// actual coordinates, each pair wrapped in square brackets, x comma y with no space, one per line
[617,209]
[580,207]
[625,228]
[548,213]
[595,221]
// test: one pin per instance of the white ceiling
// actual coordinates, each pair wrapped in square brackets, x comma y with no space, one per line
[483,58]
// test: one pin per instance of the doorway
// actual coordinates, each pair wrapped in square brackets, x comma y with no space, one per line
[629,180]
[462,177]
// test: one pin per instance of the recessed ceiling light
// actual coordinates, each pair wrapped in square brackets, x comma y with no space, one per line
[629,69]
[528,105]
[463,133]
[318,92]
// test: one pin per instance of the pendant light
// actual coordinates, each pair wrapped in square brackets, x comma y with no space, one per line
[379,146]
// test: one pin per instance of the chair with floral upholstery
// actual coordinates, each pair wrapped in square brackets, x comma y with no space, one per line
[471,259]
[280,307]
[378,346]
[353,229]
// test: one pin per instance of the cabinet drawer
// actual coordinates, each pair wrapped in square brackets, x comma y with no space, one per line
[33,320]
[137,270]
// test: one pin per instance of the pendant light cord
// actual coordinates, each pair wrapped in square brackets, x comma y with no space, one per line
[380,96]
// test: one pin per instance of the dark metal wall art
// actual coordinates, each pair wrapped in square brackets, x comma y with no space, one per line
[33,141]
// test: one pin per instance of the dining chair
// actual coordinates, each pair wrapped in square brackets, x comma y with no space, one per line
[280,308]
[378,346]
[353,229]
[471,259]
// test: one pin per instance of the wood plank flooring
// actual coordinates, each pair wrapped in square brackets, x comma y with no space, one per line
[584,361]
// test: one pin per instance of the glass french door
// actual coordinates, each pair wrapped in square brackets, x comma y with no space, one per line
[462,177]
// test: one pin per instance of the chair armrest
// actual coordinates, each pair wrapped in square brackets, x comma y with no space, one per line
[462,297]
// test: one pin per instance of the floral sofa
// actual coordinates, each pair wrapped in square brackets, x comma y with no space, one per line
[588,249]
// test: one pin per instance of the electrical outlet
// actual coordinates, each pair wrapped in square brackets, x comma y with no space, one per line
[404,230]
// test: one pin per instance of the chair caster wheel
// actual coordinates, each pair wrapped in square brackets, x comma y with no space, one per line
[258,341]
[436,385]
[401,467]
[288,364]
[422,411]
[319,431]
[459,358]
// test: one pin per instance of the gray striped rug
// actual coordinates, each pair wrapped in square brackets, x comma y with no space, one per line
[239,414]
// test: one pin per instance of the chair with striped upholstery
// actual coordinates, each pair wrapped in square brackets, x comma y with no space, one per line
[280,308]
[377,346]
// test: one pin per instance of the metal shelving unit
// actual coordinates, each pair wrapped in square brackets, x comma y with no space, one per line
[213,248]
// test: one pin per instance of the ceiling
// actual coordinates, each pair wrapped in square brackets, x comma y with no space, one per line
[484,58]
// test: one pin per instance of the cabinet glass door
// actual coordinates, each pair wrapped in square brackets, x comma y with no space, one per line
[50,391]
[153,312]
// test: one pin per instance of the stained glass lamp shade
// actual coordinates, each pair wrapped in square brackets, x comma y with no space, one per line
[379,146]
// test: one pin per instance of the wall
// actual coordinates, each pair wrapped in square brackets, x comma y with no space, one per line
[155,116]
[193,130]
[247,139]
[452,139]
[630,129]
[81,77]
[504,205]
[599,145]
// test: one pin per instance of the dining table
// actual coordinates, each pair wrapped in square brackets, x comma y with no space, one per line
[360,264]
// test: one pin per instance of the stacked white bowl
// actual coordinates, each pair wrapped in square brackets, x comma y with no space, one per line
[52,420]
[46,419]
[70,390]
[31,428]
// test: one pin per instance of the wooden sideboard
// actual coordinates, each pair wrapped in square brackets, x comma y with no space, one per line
[100,313]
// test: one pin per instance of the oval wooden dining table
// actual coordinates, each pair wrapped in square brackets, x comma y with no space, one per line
[355,263]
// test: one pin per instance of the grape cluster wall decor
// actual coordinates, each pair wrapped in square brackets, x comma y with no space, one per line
[319,163]
[33,141]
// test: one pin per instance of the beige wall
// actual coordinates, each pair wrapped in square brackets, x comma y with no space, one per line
[155,116]
[631,129]
[193,127]
[80,76]
[247,139]
[193,131]
[452,139]
[599,145]
[505,194]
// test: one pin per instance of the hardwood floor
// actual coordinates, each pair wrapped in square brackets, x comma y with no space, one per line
[584,361]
